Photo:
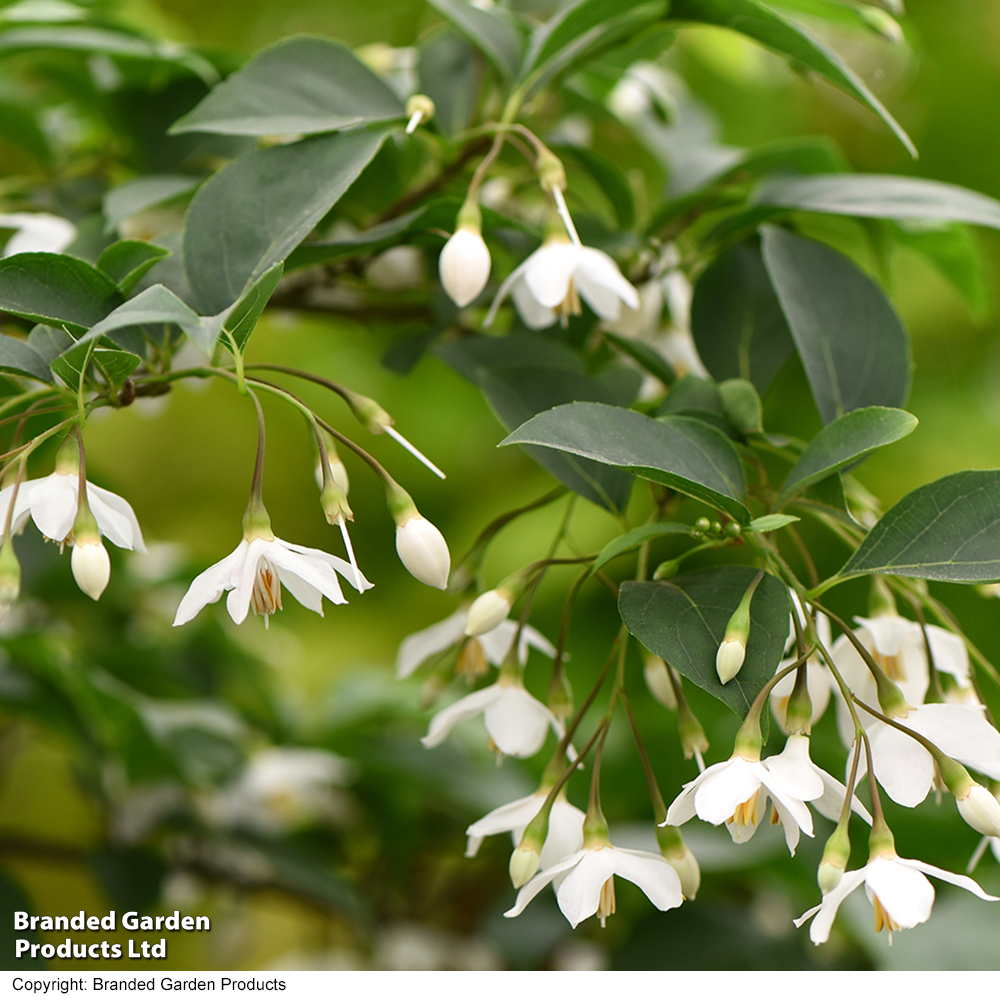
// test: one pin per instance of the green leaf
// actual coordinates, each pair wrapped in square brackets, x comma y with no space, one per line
[880,196]
[634,538]
[158,305]
[852,344]
[583,27]
[844,442]
[737,322]
[449,76]
[771,522]
[56,289]
[132,197]
[116,365]
[684,620]
[19,358]
[777,33]
[946,530]
[846,14]
[242,318]
[126,261]
[612,183]
[255,211]
[301,86]
[645,355]
[681,452]
[521,375]
[488,30]
[694,396]
[742,406]
[827,498]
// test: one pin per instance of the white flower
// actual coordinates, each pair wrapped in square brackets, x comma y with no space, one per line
[91,566]
[980,809]
[464,266]
[735,792]
[729,658]
[423,551]
[418,647]
[565,836]
[517,722]
[280,789]
[52,504]
[657,675]
[549,284]
[37,232]
[254,572]
[586,882]
[906,770]
[898,890]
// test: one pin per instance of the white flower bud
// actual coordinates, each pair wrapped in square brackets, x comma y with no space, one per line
[828,877]
[423,551]
[91,566]
[658,681]
[487,611]
[688,871]
[729,659]
[524,862]
[464,265]
[981,810]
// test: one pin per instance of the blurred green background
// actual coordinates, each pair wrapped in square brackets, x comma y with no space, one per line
[401,894]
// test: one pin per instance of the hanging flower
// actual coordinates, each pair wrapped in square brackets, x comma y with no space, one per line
[254,572]
[565,836]
[37,232]
[550,283]
[898,890]
[517,722]
[423,551]
[53,502]
[415,649]
[586,882]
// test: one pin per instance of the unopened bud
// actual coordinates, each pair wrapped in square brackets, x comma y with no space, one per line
[702,525]
[658,681]
[678,855]
[729,659]
[667,569]
[423,551]
[980,809]
[524,862]
[465,261]
[10,577]
[91,565]
[836,855]
[487,611]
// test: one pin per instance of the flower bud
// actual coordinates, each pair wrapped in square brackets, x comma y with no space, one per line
[465,262]
[423,550]
[678,855]
[91,565]
[487,611]
[980,809]
[524,862]
[729,659]
[836,855]
[658,681]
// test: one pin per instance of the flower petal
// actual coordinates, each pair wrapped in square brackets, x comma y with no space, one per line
[565,835]
[313,571]
[540,881]
[357,580]
[602,285]
[721,792]
[903,891]
[651,873]
[465,708]
[207,587]
[825,914]
[961,732]
[548,272]
[517,722]
[902,766]
[795,772]
[579,894]
[54,505]
[436,638]
[962,881]
[115,518]
[535,315]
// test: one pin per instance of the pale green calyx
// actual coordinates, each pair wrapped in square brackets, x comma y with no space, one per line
[551,174]
[68,456]
[836,855]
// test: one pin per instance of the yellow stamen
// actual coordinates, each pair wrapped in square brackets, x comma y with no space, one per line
[606,906]
[472,661]
[570,306]
[892,665]
[882,919]
[747,813]
[266,596]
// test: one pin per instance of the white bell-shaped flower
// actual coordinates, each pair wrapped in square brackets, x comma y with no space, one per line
[464,265]
[423,551]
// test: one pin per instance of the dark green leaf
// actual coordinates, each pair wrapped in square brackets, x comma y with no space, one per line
[852,344]
[115,365]
[255,211]
[522,375]
[946,530]
[609,178]
[126,200]
[19,358]
[843,442]
[634,538]
[771,522]
[126,261]
[684,620]
[827,497]
[847,15]
[449,76]
[737,322]
[766,26]
[881,196]
[680,452]
[488,30]
[742,405]
[583,27]
[300,86]
[645,355]
[130,876]
[56,289]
